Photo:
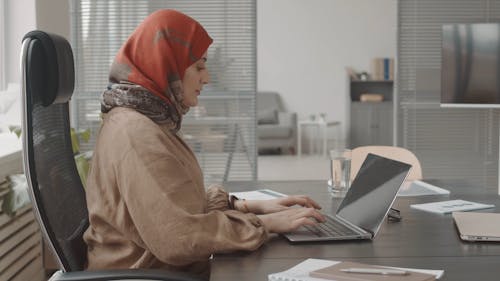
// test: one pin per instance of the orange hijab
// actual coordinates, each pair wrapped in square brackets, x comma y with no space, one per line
[158,53]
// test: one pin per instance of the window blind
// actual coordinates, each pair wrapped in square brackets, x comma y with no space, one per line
[451,143]
[221,129]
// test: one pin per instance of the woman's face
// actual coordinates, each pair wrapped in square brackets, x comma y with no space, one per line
[194,78]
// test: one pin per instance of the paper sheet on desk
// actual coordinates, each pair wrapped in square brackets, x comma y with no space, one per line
[260,194]
[449,206]
[300,272]
[420,188]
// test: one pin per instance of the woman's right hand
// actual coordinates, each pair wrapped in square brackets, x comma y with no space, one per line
[291,219]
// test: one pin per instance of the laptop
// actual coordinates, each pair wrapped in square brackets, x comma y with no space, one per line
[474,226]
[365,205]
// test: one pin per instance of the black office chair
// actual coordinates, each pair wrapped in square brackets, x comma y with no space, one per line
[55,188]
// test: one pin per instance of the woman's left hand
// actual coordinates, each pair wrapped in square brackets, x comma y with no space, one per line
[278,204]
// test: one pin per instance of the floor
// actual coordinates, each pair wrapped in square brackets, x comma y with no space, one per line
[292,167]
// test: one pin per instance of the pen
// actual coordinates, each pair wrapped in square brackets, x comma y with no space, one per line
[382,271]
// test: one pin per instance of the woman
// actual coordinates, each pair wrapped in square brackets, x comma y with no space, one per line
[147,204]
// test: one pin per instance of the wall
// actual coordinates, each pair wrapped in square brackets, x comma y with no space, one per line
[23,16]
[53,16]
[304,46]
[19,19]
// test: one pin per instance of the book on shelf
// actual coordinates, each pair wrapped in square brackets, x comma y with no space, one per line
[319,269]
[382,69]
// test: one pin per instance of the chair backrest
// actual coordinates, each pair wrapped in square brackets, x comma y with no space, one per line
[358,155]
[55,188]
[269,101]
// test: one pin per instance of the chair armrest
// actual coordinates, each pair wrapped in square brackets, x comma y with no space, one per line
[124,274]
[288,119]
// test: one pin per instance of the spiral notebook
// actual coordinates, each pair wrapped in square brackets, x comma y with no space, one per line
[302,271]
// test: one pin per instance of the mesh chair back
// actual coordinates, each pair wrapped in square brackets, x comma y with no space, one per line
[56,191]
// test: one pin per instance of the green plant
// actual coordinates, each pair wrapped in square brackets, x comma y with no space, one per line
[17,197]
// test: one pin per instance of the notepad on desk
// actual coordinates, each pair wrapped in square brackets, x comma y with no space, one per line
[260,194]
[449,206]
[318,269]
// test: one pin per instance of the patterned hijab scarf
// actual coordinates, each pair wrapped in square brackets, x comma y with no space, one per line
[147,72]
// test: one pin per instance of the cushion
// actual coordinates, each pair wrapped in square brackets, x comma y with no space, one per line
[269,116]
[273,131]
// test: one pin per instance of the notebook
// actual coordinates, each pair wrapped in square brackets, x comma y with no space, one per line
[301,271]
[473,226]
[365,205]
[335,272]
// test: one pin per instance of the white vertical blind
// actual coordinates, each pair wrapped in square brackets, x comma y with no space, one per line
[451,143]
[2,46]
[221,130]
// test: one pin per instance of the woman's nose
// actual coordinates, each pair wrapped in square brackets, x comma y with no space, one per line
[205,79]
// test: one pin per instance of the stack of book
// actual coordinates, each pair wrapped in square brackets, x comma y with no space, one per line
[382,69]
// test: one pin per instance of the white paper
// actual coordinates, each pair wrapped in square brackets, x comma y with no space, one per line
[260,194]
[301,271]
[420,188]
[446,207]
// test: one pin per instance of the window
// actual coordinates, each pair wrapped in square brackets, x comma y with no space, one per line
[221,130]
[450,143]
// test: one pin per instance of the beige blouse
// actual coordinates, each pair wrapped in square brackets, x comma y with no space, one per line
[147,204]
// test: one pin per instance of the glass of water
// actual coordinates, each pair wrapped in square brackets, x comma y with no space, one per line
[340,172]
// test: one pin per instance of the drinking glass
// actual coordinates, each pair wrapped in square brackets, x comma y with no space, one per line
[340,172]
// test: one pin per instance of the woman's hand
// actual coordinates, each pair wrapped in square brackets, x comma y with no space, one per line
[291,219]
[275,205]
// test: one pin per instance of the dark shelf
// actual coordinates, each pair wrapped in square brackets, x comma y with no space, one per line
[382,87]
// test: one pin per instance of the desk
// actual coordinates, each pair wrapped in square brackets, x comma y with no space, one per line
[420,240]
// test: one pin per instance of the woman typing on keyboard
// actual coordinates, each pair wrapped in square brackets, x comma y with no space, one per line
[148,206]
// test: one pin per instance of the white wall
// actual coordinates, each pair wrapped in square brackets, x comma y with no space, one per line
[53,16]
[23,16]
[304,46]
[19,19]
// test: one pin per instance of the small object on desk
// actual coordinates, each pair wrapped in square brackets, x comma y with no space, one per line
[449,206]
[394,215]
[308,270]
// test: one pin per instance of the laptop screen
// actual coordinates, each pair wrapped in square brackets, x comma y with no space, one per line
[373,191]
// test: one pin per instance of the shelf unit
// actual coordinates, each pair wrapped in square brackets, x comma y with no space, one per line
[371,122]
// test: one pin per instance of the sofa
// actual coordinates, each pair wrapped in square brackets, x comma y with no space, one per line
[276,127]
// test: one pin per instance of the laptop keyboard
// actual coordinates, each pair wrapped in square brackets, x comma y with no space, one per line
[330,228]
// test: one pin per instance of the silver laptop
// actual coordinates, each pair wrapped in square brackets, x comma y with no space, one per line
[365,205]
[473,226]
